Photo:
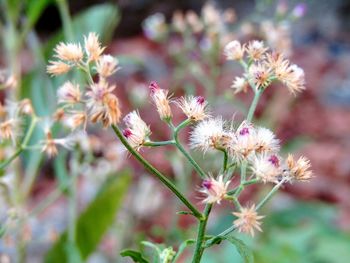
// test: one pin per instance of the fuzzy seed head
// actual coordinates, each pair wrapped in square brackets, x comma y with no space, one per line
[247,220]
[69,52]
[195,108]
[299,170]
[56,68]
[69,93]
[234,50]
[93,47]
[161,100]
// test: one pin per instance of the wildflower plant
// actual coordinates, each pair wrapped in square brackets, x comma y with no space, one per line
[252,150]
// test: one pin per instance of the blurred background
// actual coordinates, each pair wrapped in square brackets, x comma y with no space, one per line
[167,41]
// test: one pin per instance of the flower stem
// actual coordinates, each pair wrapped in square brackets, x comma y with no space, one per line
[23,144]
[158,174]
[270,194]
[183,151]
[254,105]
[200,235]
[156,144]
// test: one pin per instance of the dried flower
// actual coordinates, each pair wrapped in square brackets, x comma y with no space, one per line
[69,52]
[76,119]
[240,84]
[295,80]
[69,93]
[103,105]
[247,220]
[256,50]
[56,68]
[215,189]
[208,134]
[160,98]
[106,66]
[266,167]
[299,170]
[49,146]
[234,50]
[93,46]
[8,130]
[195,108]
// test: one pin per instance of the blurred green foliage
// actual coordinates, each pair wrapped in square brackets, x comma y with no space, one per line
[93,223]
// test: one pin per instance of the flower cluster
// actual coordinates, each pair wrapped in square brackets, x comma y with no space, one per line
[262,67]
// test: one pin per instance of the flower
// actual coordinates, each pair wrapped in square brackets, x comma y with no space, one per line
[56,68]
[208,134]
[103,105]
[247,220]
[256,49]
[195,108]
[137,130]
[160,98]
[215,189]
[69,52]
[266,141]
[8,130]
[93,46]
[243,142]
[295,79]
[76,119]
[266,167]
[260,75]
[299,170]
[240,84]
[49,146]
[154,26]
[234,50]
[106,65]
[69,93]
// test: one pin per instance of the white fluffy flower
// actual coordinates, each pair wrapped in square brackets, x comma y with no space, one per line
[266,167]
[266,141]
[207,134]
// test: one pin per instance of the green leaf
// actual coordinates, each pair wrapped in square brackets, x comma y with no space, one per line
[94,221]
[182,247]
[101,19]
[242,249]
[135,255]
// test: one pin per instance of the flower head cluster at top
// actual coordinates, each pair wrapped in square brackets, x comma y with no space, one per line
[262,67]
[95,102]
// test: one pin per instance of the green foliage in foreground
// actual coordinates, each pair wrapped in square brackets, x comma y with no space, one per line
[301,233]
[93,223]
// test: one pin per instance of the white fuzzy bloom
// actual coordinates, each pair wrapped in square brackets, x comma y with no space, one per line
[215,189]
[137,130]
[256,49]
[207,134]
[266,167]
[240,84]
[234,50]
[266,141]
[70,52]
[69,93]
[161,100]
[195,108]
[106,65]
[243,142]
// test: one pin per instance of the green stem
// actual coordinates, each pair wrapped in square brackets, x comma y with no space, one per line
[158,174]
[23,144]
[156,144]
[72,201]
[270,194]
[182,149]
[225,160]
[254,105]
[66,19]
[200,235]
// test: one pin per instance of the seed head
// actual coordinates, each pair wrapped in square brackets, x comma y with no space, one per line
[234,50]
[93,46]
[195,108]
[247,220]
[106,65]
[69,52]
[56,68]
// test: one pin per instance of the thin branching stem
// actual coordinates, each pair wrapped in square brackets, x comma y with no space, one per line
[157,173]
